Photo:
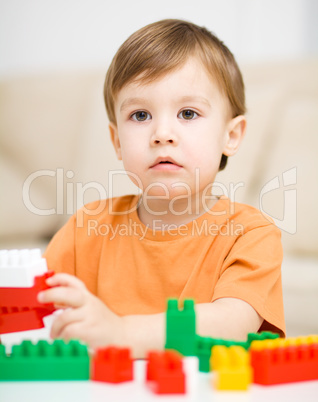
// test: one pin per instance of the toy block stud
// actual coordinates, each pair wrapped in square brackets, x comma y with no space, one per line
[112,364]
[281,361]
[180,327]
[164,372]
[45,361]
[231,368]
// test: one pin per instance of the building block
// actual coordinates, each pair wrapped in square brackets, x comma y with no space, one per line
[20,309]
[45,361]
[19,267]
[25,297]
[180,327]
[260,336]
[22,276]
[164,372]
[112,364]
[16,319]
[180,335]
[288,360]
[231,367]
[204,346]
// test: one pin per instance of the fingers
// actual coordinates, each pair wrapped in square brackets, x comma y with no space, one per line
[67,290]
[72,331]
[65,280]
[64,325]
[62,296]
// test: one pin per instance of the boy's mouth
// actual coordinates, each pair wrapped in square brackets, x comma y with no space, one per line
[165,163]
[165,160]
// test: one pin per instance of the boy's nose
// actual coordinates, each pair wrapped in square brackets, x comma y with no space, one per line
[163,136]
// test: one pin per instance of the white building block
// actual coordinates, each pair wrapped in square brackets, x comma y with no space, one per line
[19,267]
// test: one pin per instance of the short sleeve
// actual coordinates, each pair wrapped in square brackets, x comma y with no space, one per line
[60,253]
[252,272]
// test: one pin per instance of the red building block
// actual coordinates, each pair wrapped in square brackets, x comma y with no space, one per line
[20,310]
[25,297]
[164,373]
[15,319]
[112,364]
[284,361]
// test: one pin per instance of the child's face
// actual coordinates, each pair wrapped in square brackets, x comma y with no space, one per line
[182,117]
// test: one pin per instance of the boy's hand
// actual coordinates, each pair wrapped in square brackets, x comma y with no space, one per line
[85,316]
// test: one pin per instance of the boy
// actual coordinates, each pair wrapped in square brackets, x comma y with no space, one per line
[175,101]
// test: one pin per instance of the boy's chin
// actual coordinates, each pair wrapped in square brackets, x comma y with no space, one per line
[168,193]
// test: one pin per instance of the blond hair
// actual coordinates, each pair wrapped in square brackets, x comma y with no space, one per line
[161,47]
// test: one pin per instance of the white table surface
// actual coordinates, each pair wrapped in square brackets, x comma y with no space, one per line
[91,391]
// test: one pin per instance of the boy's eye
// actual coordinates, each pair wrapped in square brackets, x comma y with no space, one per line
[140,116]
[188,114]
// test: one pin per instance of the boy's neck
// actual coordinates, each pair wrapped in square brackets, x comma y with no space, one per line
[180,212]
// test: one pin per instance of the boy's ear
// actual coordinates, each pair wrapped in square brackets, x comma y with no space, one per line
[235,133]
[115,139]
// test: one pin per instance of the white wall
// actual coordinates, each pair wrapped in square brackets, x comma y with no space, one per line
[37,35]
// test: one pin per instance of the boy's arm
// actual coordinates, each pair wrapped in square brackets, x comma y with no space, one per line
[227,318]
[89,319]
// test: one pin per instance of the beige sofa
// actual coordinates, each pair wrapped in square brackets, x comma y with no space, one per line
[56,123]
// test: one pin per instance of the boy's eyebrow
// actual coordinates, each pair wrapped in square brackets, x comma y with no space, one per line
[131,101]
[190,98]
[187,98]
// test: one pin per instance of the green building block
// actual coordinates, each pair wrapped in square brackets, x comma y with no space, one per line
[260,337]
[180,327]
[2,351]
[204,346]
[230,342]
[181,336]
[45,361]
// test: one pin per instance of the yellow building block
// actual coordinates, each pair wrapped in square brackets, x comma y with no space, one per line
[231,368]
[283,343]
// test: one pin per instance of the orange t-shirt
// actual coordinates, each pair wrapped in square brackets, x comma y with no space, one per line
[231,250]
